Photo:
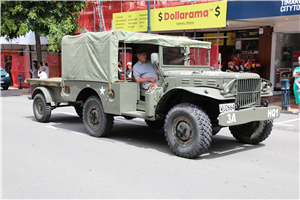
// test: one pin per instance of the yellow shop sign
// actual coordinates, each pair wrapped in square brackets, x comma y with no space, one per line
[205,15]
[136,21]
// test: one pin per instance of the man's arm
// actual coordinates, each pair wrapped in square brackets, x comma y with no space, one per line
[143,80]
[180,59]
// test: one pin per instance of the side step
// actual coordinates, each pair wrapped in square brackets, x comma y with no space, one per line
[139,114]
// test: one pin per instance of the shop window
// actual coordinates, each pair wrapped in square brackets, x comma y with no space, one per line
[286,57]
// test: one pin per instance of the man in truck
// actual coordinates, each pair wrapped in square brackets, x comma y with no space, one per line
[144,71]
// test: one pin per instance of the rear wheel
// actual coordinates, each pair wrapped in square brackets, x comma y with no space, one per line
[5,88]
[188,130]
[41,109]
[252,132]
[97,123]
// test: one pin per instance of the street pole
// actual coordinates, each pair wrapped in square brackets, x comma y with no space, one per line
[149,28]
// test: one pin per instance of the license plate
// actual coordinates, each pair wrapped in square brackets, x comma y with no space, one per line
[227,107]
[2,81]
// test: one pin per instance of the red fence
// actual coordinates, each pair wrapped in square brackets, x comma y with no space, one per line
[54,64]
[2,62]
[20,65]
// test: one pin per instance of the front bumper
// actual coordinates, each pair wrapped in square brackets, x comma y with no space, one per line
[243,116]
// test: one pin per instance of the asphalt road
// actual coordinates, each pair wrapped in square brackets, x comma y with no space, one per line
[58,160]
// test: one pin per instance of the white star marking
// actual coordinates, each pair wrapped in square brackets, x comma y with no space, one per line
[102,90]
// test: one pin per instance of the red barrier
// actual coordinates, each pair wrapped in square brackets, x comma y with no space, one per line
[201,59]
[214,55]
[2,62]
[54,64]
[128,59]
[20,65]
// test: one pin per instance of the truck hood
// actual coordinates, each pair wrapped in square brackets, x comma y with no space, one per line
[210,74]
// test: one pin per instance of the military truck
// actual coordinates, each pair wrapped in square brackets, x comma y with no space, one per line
[192,103]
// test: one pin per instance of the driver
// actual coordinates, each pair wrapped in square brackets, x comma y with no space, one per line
[173,58]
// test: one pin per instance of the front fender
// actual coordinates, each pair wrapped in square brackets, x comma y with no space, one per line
[205,91]
[46,92]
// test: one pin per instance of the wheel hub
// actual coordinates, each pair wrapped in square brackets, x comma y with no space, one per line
[94,116]
[39,107]
[183,131]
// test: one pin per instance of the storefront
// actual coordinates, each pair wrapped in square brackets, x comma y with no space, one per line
[279,34]
[17,57]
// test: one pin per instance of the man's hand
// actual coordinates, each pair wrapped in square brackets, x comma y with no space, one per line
[191,54]
[152,80]
[157,72]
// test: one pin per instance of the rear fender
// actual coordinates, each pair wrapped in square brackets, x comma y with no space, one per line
[46,92]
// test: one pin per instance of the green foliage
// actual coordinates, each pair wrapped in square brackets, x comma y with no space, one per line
[51,19]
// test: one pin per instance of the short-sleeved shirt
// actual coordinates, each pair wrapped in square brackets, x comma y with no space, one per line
[43,75]
[295,87]
[145,70]
[46,70]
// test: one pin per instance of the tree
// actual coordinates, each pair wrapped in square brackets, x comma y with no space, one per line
[51,19]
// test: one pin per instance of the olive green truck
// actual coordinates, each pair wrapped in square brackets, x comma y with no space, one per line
[192,103]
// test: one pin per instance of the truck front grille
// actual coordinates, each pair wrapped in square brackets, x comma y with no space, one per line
[248,92]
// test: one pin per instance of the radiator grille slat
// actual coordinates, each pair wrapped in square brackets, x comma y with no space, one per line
[248,92]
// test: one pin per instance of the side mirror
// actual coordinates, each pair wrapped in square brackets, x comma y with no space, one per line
[154,58]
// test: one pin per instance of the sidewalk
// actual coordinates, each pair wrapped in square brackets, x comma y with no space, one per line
[274,100]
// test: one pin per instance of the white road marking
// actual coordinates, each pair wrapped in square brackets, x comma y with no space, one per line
[85,134]
[283,123]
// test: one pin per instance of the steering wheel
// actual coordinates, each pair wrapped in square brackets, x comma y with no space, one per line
[190,59]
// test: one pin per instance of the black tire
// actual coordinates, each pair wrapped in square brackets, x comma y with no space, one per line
[252,132]
[78,109]
[155,124]
[188,130]
[97,123]
[5,88]
[41,109]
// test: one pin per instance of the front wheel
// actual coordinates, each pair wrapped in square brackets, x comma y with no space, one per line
[41,109]
[188,130]
[252,132]
[97,123]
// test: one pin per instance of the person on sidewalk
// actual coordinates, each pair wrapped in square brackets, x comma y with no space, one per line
[42,74]
[296,87]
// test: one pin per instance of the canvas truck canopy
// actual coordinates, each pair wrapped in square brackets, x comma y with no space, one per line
[94,56]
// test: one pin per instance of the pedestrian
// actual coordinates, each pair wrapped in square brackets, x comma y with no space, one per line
[34,71]
[45,65]
[120,66]
[42,74]
[129,70]
[296,87]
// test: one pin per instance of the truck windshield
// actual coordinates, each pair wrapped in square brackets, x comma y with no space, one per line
[186,56]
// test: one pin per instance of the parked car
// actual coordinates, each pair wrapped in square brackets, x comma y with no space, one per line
[5,79]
